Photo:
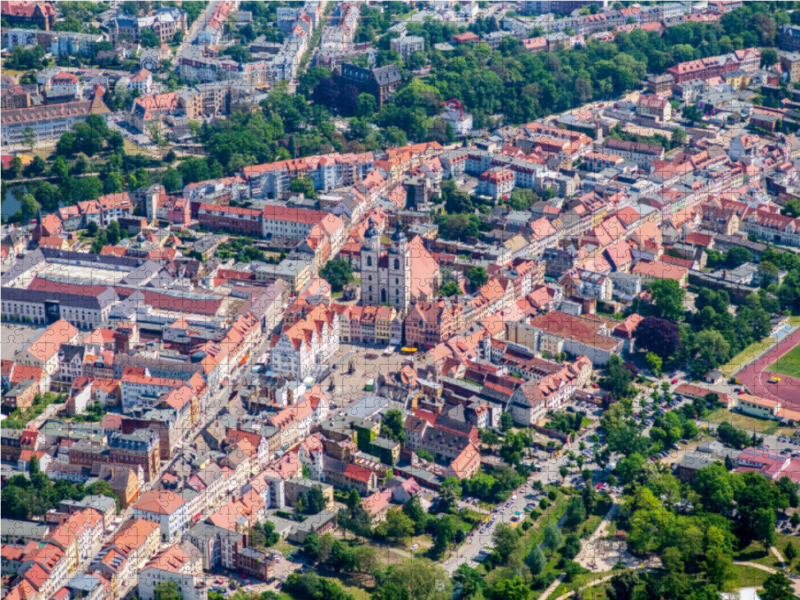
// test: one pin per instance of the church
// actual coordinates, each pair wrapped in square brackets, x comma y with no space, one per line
[399,275]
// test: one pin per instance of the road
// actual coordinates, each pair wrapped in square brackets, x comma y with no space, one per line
[469,550]
[189,38]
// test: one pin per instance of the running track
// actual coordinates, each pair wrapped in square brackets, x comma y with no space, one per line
[755,376]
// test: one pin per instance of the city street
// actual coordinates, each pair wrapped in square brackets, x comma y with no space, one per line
[470,549]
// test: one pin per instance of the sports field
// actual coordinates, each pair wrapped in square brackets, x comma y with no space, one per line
[788,364]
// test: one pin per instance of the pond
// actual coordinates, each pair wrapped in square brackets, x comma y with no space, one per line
[12,196]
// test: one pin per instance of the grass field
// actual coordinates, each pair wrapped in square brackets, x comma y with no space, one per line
[750,576]
[788,364]
[747,423]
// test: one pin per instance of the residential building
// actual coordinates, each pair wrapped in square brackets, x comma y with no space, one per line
[25,13]
[165,22]
[166,508]
[48,122]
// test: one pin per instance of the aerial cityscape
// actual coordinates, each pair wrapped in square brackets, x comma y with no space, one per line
[400,300]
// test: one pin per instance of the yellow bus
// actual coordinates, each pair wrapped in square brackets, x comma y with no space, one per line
[408,350]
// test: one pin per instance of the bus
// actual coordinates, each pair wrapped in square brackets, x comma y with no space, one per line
[407,351]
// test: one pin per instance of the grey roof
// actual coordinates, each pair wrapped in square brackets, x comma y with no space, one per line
[99,503]
[333,464]
[26,529]
[695,462]
[314,522]
[366,406]
[385,443]
[206,531]
[387,75]
[84,582]
[106,298]
[254,554]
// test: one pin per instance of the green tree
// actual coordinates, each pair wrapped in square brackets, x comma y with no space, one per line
[338,273]
[509,589]
[778,587]
[393,425]
[477,277]
[444,532]
[29,206]
[522,199]
[28,138]
[171,180]
[167,590]
[415,511]
[366,105]
[506,422]
[113,184]
[313,501]
[47,195]
[654,363]
[149,38]
[418,580]
[622,585]
[450,492]
[618,377]
[536,560]
[112,233]
[397,526]
[458,202]
[311,546]
[506,541]
[678,137]
[469,580]
[769,56]
[692,113]
[305,186]
[449,289]
[552,536]
[353,500]
[790,552]
[576,512]
[667,296]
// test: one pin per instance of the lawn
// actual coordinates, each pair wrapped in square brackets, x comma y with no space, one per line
[284,547]
[579,582]
[750,576]
[723,415]
[755,551]
[348,583]
[746,356]
[20,417]
[788,364]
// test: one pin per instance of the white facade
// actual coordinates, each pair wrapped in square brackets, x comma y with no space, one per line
[190,586]
[310,358]
[172,524]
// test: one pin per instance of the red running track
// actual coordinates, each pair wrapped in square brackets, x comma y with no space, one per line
[755,376]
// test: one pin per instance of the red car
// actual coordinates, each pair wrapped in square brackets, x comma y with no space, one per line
[674,381]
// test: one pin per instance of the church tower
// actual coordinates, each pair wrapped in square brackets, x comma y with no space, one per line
[399,272]
[370,257]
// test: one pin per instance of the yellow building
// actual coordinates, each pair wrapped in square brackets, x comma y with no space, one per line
[383,323]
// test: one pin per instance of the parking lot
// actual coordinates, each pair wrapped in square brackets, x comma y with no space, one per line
[226,582]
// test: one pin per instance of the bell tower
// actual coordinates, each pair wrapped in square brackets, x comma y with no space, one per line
[370,256]
[399,271]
